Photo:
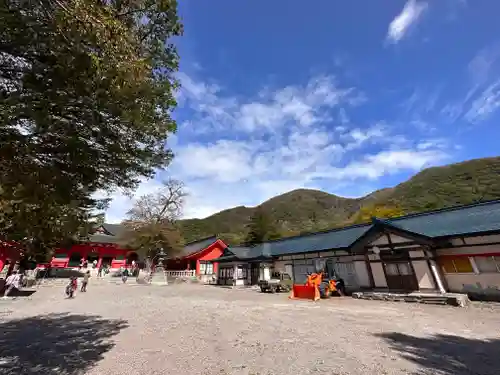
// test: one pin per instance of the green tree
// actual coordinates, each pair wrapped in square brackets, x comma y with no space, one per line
[86,96]
[261,228]
[381,211]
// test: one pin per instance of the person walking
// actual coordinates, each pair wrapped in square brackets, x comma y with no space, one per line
[99,271]
[71,287]
[12,282]
[85,281]
[125,275]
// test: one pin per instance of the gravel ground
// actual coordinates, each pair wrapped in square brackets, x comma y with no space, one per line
[194,329]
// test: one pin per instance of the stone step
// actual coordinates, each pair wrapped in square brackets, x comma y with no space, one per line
[452,299]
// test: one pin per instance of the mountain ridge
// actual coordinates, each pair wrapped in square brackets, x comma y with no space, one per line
[308,210]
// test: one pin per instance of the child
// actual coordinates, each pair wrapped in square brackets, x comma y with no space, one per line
[124,275]
[85,281]
[71,287]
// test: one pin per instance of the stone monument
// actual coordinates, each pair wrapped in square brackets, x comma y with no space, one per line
[159,276]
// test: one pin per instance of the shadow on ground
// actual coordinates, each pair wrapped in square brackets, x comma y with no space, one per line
[22,293]
[61,344]
[447,354]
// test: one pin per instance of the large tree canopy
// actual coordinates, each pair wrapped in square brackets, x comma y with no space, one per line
[261,228]
[381,211]
[86,95]
[151,223]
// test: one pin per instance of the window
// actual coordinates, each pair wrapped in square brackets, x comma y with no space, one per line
[225,272]
[60,256]
[404,269]
[210,268]
[456,265]
[397,269]
[120,257]
[242,272]
[391,269]
[206,268]
[488,264]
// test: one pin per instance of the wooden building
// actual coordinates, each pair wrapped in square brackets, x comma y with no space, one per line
[195,258]
[455,249]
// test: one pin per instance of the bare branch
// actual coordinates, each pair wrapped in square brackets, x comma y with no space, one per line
[165,205]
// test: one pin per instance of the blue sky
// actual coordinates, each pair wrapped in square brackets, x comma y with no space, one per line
[346,97]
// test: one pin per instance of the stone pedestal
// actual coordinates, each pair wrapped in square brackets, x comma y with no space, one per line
[159,276]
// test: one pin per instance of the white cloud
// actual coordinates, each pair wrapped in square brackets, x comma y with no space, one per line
[391,162]
[482,95]
[486,103]
[233,151]
[121,201]
[399,26]
[302,105]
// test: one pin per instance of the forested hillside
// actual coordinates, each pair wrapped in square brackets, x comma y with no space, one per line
[306,210]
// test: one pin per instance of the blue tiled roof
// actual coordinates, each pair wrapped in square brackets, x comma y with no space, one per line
[481,217]
[243,253]
[334,239]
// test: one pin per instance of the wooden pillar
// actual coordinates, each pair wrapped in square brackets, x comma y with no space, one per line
[369,270]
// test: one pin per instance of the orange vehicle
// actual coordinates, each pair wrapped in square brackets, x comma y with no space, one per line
[318,285]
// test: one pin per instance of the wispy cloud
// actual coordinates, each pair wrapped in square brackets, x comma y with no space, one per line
[486,103]
[409,16]
[244,150]
[270,110]
[482,95]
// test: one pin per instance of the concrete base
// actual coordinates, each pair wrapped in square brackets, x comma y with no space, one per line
[453,299]
[159,277]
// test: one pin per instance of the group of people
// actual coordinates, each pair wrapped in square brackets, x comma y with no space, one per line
[73,284]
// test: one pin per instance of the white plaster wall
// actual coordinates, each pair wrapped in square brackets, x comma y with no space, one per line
[324,254]
[279,265]
[378,275]
[266,274]
[470,250]
[344,259]
[416,253]
[482,239]
[382,240]
[311,255]
[362,274]
[485,283]
[397,239]
[423,274]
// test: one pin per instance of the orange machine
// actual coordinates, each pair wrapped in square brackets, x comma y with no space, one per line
[318,285]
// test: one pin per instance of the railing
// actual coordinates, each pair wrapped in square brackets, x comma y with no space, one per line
[186,273]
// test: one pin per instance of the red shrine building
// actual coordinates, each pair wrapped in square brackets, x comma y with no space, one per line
[102,246]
